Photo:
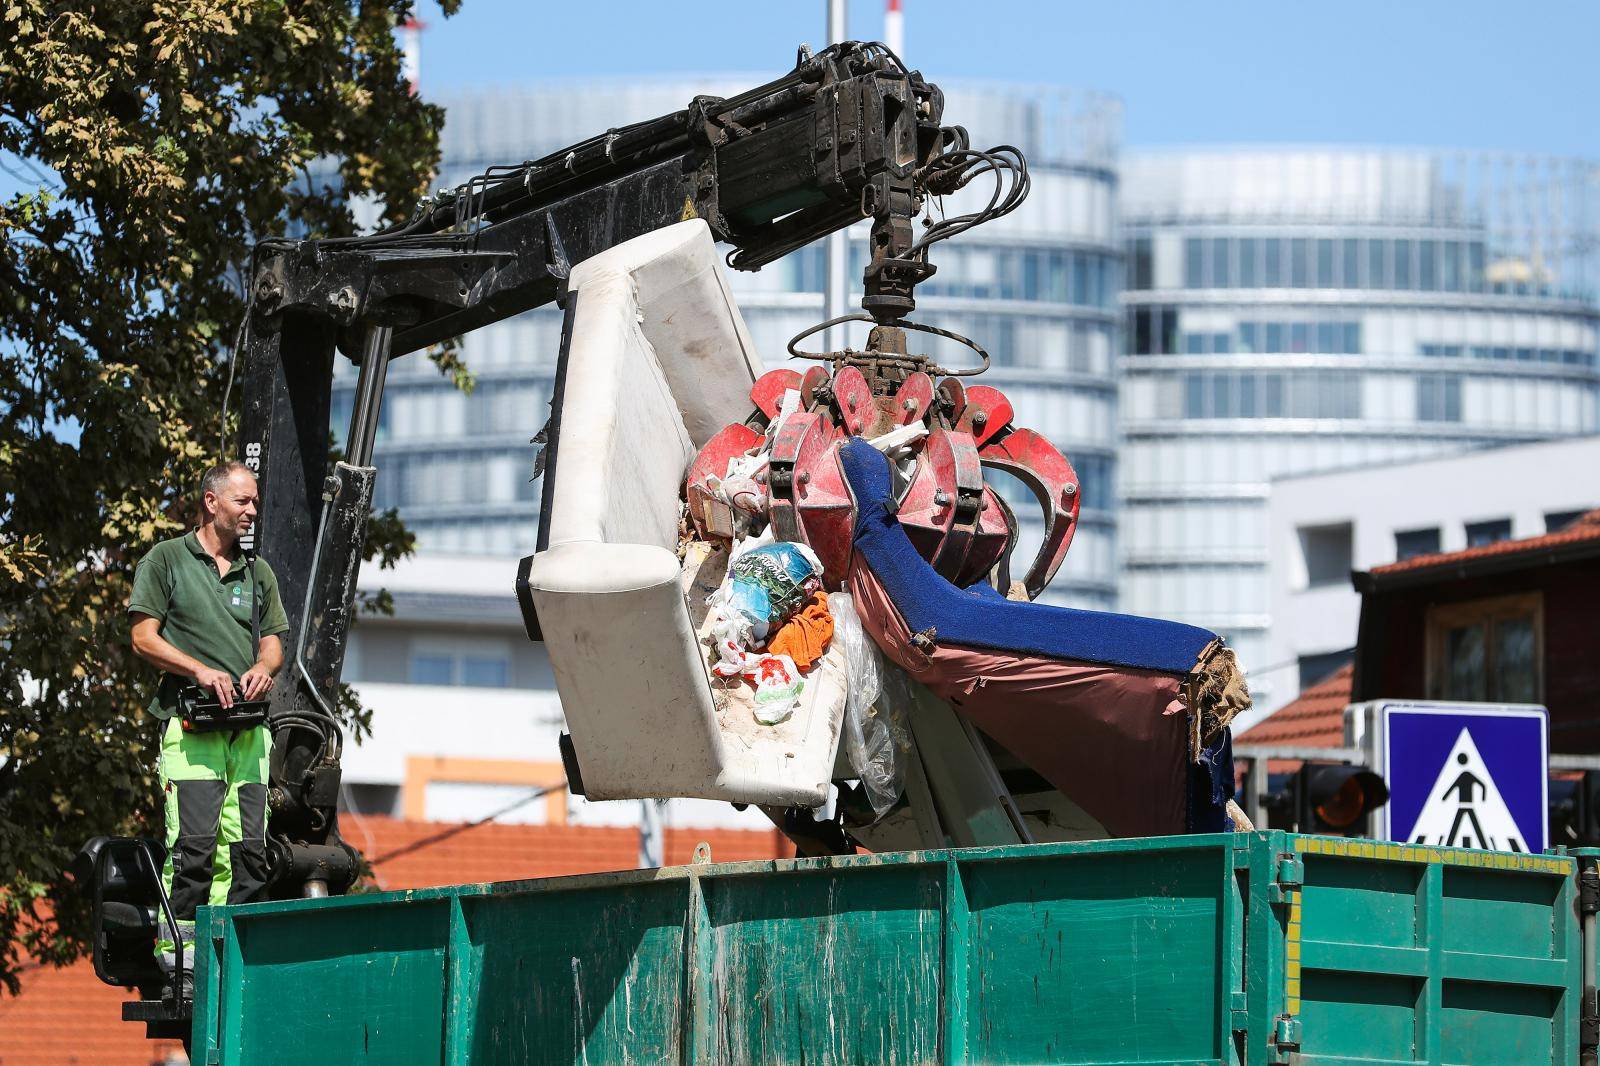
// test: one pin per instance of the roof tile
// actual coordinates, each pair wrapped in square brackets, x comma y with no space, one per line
[1314,719]
[1586,528]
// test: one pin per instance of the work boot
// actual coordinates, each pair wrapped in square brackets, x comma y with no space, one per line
[180,987]
[175,988]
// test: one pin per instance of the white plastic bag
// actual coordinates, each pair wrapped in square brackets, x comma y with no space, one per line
[875,737]
[778,687]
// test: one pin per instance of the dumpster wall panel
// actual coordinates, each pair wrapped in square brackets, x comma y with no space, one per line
[1489,914]
[1485,1025]
[1430,955]
[1097,958]
[1107,952]
[346,985]
[555,976]
[827,966]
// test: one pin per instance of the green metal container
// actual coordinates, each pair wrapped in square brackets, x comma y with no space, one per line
[1243,948]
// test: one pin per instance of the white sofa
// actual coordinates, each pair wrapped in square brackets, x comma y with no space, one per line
[658,360]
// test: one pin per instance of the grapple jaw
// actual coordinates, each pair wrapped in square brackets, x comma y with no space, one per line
[780,465]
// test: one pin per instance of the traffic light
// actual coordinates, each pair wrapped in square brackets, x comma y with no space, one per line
[1336,799]
[1575,810]
[1331,799]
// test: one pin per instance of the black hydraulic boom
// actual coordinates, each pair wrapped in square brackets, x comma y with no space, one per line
[850,134]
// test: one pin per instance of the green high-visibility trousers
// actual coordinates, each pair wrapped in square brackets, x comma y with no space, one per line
[215,790]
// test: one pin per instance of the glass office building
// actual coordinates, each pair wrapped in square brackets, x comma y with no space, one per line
[1039,289]
[1289,311]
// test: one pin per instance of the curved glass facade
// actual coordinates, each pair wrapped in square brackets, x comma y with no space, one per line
[1038,288]
[1290,311]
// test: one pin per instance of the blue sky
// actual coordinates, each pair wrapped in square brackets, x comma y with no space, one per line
[1468,74]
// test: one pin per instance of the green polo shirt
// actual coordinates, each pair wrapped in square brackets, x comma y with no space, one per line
[202,612]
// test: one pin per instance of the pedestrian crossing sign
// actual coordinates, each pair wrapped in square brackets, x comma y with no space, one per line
[1465,775]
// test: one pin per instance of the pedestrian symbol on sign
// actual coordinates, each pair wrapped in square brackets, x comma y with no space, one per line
[1464,808]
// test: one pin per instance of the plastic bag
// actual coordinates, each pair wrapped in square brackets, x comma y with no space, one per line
[764,587]
[875,737]
[778,687]
[743,487]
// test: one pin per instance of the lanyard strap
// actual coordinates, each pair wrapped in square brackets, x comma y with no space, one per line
[255,609]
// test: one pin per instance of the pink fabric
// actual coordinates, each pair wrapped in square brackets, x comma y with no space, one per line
[1100,734]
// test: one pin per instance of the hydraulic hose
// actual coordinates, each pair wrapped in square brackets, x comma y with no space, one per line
[330,490]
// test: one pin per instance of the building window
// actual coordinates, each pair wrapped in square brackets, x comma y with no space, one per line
[431,669]
[1143,263]
[1221,277]
[1194,263]
[370,799]
[1249,273]
[1556,521]
[1327,553]
[1299,263]
[1350,265]
[484,671]
[1438,398]
[1318,668]
[1413,542]
[447,666]
[1487,650]
[1318,338]
[1488,532]
[1271,394]
[1377,265]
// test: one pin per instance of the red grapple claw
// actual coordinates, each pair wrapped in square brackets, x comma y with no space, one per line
[956,521]
[767,392]
[1038,464]
[952,398]
[853,398]
[710,515]
[986,414]
[911,403]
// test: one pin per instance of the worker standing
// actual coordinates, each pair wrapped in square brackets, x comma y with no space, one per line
[208,614]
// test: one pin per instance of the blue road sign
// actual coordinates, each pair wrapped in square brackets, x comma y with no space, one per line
[1465,775]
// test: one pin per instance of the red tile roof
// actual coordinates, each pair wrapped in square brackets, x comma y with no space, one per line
[425,854]
[66,1016]
[1581,530]
[1314,719]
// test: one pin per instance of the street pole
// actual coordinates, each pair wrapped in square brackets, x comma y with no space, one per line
[652,846]
[836,288]
[894,29]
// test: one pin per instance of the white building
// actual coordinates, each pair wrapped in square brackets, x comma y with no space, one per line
[1320,527]
[1297,310]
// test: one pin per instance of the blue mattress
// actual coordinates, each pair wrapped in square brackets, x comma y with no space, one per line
[979,619]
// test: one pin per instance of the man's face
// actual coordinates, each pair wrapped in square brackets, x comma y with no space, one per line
[234,507]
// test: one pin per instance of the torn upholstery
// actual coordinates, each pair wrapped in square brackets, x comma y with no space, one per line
[1093,702]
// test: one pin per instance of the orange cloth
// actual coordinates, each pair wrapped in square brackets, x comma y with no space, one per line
[805,637]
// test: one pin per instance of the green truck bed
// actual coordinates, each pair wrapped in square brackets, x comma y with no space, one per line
[1244,948]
